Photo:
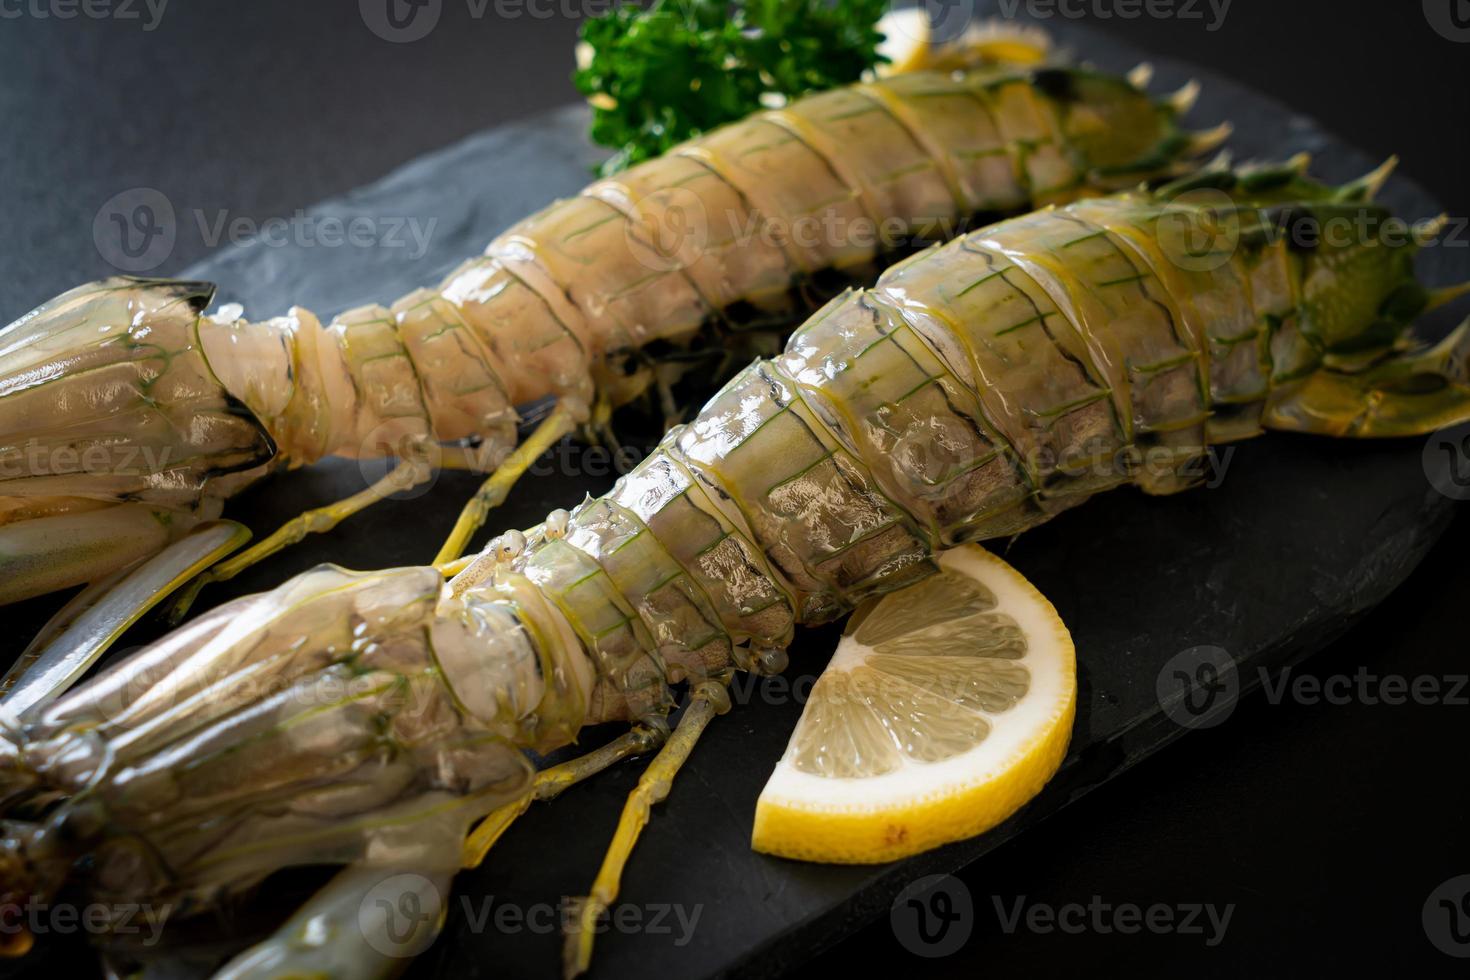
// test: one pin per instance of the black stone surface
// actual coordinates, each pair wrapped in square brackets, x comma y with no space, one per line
[1298,541]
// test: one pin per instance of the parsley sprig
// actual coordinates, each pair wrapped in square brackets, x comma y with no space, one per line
[658,76]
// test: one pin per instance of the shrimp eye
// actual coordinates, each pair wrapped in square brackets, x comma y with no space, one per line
[509,545]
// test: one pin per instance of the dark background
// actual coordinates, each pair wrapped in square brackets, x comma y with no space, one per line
[1328,826]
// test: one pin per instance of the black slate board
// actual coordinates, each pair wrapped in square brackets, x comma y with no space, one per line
[1302,537]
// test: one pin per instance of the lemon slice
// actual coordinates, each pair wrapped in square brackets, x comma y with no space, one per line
[946,707]
[906,40]
[909,44]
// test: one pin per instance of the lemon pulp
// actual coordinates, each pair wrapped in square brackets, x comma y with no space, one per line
[946,707]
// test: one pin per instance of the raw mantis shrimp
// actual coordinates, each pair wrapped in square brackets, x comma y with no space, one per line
[127,416]
[978,389]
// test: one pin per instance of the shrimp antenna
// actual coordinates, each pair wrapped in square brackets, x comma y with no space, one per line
[1445,295]
[1184,99]
[1220,161]
[1366,187]
[1208,139]
[1430,229]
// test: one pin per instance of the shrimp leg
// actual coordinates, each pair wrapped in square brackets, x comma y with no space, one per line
[408,474]
[449,569]
[562,420]
[553,780]
[709,698]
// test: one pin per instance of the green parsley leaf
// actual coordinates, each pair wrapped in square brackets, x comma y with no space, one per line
[682,67]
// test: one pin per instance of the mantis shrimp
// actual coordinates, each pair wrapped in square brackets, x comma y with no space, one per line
[978,389]
[128,416]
